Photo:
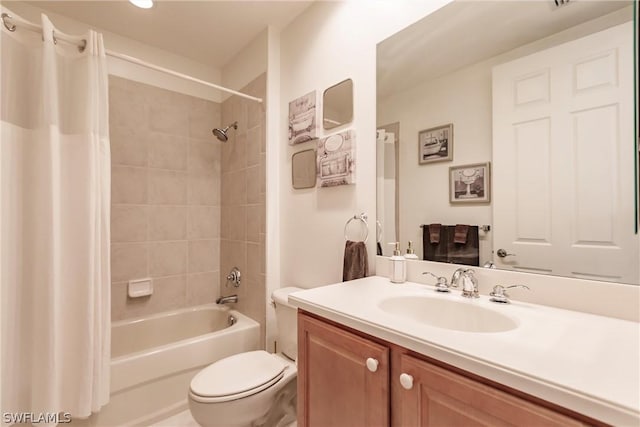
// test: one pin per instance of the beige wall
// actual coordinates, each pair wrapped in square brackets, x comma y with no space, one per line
[242,239]
[247,65]
[464,99]
[165,219]
[327,43]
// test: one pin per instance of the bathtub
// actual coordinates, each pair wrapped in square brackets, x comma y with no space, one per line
[155,357]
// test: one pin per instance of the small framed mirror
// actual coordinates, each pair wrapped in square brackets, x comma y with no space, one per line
[337,105]
[303,169]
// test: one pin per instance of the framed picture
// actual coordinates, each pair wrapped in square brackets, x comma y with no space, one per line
[336,159]
[470,183]
[302,119]
[435,144]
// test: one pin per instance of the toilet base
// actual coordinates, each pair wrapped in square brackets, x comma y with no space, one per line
[273,407]
[283,411]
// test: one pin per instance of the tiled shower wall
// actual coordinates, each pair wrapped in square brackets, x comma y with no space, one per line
[242,239]
[166,176]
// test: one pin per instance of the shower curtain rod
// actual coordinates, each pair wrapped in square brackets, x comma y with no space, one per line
[177,74]
[81,43]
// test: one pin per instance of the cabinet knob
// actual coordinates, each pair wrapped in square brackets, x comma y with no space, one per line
[372,364]
[406,381]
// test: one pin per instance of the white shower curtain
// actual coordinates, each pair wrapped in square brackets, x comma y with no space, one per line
[54,228]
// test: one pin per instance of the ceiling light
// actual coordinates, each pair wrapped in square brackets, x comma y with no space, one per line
[144,4]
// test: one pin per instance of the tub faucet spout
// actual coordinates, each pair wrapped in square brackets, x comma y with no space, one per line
[227,300]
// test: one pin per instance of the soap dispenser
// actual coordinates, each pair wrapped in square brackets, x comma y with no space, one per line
[397,265]
[410,253]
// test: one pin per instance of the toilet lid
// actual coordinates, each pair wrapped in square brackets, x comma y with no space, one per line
[240,374]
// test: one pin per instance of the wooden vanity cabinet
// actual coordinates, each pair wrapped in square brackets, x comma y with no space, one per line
[337,386]
[440,397]
[343,379]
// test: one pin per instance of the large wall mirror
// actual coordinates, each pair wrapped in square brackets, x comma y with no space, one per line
[544,95]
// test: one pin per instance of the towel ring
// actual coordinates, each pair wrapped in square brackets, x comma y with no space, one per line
[362,217]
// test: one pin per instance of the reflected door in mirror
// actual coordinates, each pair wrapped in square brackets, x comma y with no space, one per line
[564,167]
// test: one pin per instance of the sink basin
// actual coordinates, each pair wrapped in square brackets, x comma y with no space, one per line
[448,314]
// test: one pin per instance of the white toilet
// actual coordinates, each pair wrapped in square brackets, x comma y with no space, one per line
[255,388]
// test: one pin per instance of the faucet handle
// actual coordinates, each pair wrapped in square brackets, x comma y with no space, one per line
[518,286]
[499,293]
[441,282]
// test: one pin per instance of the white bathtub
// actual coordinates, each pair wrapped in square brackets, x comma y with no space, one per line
[155,357]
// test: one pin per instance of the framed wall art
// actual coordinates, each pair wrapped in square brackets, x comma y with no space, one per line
[337,159]
[302,119]
[470,183]
[435,144]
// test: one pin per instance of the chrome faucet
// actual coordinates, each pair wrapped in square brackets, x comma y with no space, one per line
[441,282]
[469,282]
[499,293]
[227,300]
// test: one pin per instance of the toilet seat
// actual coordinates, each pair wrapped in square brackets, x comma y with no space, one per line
[237,376]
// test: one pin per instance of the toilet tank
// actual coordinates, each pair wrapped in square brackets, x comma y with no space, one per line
[286,318]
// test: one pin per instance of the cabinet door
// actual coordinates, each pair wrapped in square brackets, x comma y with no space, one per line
[434,396]
[339,383]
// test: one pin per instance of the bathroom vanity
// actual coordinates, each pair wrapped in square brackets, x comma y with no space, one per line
[375,353]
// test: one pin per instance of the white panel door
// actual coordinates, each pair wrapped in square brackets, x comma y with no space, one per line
[563,154]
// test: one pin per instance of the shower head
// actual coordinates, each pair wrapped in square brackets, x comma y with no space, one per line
[221,134]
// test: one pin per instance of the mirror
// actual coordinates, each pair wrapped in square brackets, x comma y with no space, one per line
[543,95]
[303,169]
[387,156]
[337,104]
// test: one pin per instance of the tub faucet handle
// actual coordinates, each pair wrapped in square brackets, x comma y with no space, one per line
[234,277]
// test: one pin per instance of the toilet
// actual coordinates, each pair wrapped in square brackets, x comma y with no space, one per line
[254,388]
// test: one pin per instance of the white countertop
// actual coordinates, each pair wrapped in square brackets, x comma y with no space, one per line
[587,363]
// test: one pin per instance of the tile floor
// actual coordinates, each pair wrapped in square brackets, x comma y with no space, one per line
[184,419]
[181,419]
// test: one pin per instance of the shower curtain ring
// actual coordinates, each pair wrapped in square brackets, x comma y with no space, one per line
[6,16]
[53,35]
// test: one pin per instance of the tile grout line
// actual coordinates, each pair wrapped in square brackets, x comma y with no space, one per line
[169,276]
[187,267]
